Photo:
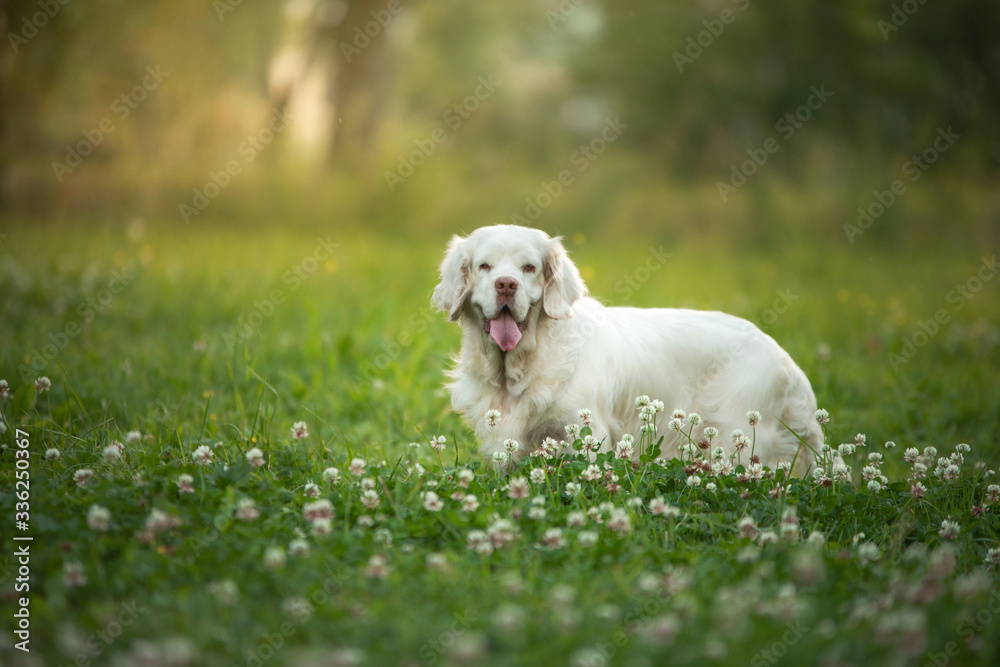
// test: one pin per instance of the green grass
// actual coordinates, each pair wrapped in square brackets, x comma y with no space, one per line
[354,350]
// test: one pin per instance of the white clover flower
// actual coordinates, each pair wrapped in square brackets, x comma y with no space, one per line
[370,499]
[549,447]
[619,521]
[963,448]
[860,440]
[320,527]
[470,503]
[675,424]
[158,520]
[572,431]
[99,518]
[911,454]
[378,567]
[331,475]
[694,419]
[51,454]
[478,541]
[185,483]
[584,415]
[298,548]
[641,401]
[591,473]
[576,519]
[993,558]
[321,509]
[438,443]
[571,489]
[43,384]
[511,446]
[311,490]
[949,529]
[747,527]
[890,444]
[518,488]
[255,457]
[992,493]
[918,490]
[694,480]
[678,414]
[112,452]
[358,466]
[624,449]
[930,452]
[786,466]
[753,418]
[767,537]
[846,449]
[500,456]
[4,389]
[246,509]
[437,562]
[874,486]
[274,558]
[300,430]
[224,591]
[82,475]
[73,575]
[822,416]
[868,551]
[536,513]
[553,539]
[711,487]
[202,455]
[432,503]
[465,477]
[492,418]
[711,433]
[587,539]
[537,475]
[657,405]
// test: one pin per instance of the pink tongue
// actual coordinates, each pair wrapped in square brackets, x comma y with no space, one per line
[505,332]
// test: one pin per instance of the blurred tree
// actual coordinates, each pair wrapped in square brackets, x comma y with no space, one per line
[333,71]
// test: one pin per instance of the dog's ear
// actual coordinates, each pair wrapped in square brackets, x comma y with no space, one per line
[456,279]
[563,284]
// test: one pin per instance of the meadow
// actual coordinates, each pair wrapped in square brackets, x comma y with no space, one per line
[238,462]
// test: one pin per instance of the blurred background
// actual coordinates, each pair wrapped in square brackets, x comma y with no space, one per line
[419,118]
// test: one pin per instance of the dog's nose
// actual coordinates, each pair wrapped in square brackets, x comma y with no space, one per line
[506,286]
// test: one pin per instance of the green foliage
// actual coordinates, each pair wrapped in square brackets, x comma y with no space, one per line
[353,350]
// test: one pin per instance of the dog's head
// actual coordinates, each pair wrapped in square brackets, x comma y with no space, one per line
[496,275]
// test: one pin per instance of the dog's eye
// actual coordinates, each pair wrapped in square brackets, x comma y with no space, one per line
[528,268]
[485,267]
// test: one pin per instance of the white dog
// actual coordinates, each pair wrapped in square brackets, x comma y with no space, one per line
[538,350]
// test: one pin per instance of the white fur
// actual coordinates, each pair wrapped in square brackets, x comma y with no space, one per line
[577,353]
